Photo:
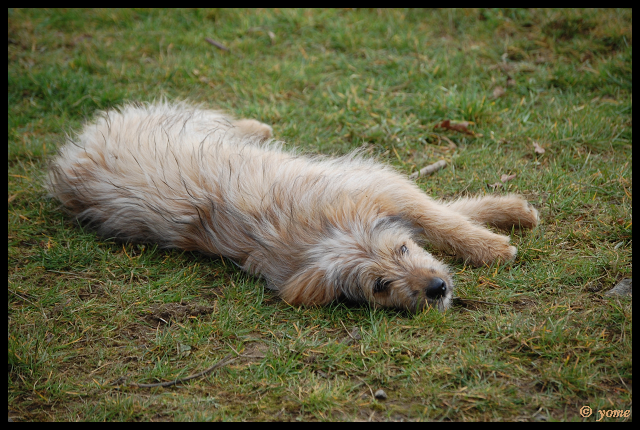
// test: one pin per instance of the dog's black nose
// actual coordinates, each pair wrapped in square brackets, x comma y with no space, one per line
[437,288]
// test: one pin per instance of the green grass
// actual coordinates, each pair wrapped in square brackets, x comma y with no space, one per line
[535,339]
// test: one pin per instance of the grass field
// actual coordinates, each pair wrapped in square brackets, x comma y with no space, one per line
[532,340]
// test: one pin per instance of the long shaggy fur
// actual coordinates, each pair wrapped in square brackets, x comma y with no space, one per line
[317,229]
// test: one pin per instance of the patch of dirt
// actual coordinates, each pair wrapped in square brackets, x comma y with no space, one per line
[254,352]
[522,303]
[164,313]
[566,28]
[91,292]
[469,304]
[136,331]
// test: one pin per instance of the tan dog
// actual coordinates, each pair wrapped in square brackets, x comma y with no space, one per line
[317,229]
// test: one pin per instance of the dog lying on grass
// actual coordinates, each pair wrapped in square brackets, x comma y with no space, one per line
[316,229]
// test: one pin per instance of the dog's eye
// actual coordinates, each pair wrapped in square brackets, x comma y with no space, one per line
[380,285]
[403,250]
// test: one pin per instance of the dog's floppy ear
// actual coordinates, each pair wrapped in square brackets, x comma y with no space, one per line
[390,221]
[395,221]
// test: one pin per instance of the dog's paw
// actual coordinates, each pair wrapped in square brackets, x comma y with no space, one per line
[525,215]
[495,250]
[515,212]
[531,217]
[507,254]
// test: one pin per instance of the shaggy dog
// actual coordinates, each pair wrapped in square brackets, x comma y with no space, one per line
[316,229]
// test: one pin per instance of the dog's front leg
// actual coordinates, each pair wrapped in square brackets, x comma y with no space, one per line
[450,230]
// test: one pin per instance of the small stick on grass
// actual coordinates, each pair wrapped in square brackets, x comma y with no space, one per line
[216,44]
[226,360]
[425,171]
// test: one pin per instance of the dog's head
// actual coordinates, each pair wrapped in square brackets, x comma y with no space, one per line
[399,271]
[379,262]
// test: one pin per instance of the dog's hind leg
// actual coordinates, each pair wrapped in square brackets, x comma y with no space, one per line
[503,212]
[251,127]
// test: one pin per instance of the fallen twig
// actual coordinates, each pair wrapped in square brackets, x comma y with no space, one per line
[216,44]
[425,171]
[226,360]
